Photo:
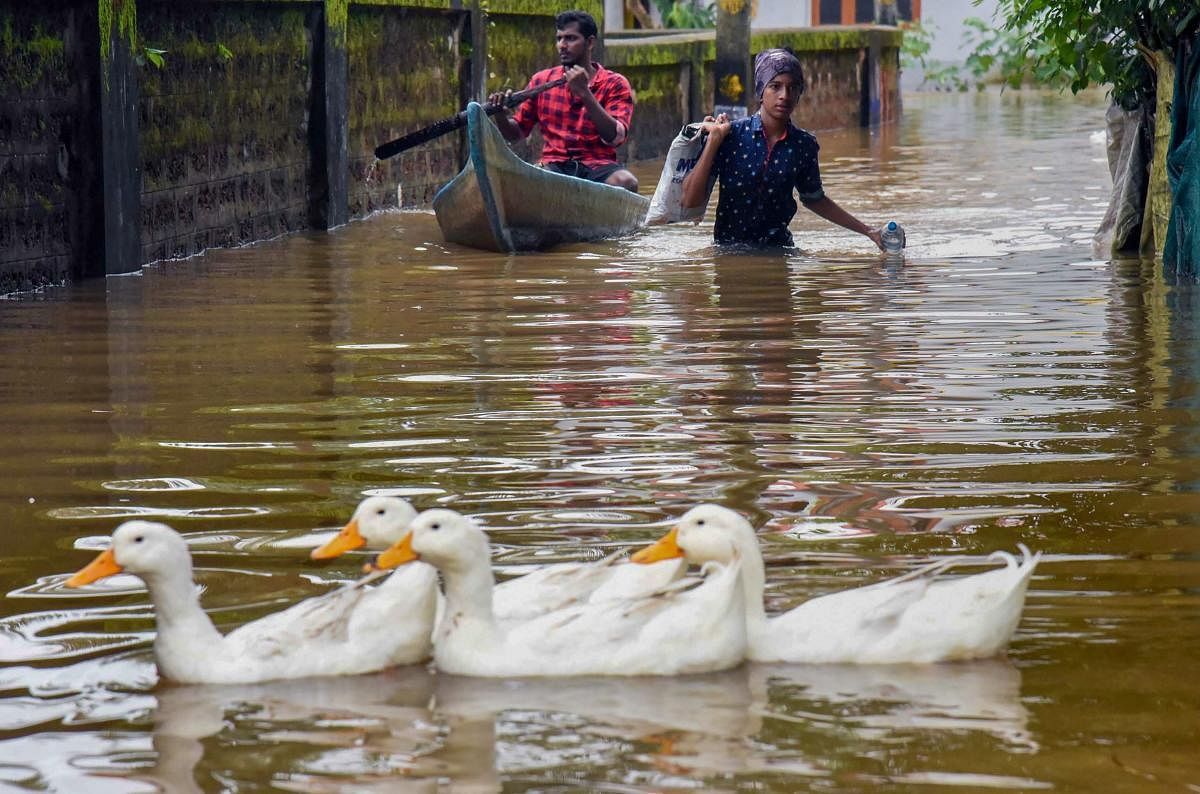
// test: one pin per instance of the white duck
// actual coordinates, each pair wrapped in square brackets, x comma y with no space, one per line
[382,521]
[913,618]
[351,630]
[686,627]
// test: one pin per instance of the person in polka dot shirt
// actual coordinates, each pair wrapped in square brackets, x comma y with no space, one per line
[760,160]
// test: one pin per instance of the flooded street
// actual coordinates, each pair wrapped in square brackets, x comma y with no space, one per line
[1000,386]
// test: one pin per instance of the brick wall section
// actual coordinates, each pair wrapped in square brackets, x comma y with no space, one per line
[519,45]
[37,107]
[660,104]
[224,148]
[405,73]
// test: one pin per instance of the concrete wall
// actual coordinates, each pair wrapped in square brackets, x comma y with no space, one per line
[852,74]
[41,113]
[262,117]
[223,145]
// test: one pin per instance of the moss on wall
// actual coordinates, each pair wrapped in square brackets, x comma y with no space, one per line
[541,8]
[122,14]
[337,14]
[31,54]
[660,109]
[223,125]
[405,73]
[826,38]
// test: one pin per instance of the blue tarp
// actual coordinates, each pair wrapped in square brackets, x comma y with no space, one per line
[1181,252]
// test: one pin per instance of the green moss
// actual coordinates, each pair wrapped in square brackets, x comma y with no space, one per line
[123,14]
[543,8]
[48,48]
[404,69]
[29,57]
[337,12]
[438,4]
[826,38]
[701,47]
[662,50]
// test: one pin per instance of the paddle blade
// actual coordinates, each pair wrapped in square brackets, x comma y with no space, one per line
[437,129]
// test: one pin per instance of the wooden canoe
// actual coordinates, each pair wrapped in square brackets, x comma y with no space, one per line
[499,202]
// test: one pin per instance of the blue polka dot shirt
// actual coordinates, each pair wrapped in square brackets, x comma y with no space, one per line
[756,204]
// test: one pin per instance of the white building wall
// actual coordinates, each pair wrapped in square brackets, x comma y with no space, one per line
[946,18]
[614,15]
[782,14]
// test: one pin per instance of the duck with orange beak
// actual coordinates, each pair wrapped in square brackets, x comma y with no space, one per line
[919,617]
[689,626]
[352,630]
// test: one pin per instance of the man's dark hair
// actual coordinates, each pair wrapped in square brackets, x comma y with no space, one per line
[586,22]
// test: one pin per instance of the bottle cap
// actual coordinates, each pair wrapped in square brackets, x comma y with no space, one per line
[891,226]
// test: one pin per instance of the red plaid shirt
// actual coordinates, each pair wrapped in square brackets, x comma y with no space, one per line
[566,129]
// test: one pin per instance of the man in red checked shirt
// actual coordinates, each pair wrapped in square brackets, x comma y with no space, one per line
[584,121]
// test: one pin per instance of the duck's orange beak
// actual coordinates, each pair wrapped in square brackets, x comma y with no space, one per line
[397,554]
[104,565]
[666,548]
[348,539]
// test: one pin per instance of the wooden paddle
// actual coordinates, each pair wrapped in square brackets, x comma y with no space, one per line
[439,128]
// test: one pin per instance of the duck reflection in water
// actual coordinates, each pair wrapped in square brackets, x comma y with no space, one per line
[754,719]
[359,731]
[406,730]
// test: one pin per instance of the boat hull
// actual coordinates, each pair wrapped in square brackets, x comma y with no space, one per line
[499,202]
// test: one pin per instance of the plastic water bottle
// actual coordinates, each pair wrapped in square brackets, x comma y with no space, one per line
[892,237]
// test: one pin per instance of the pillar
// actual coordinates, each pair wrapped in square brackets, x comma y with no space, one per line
[734,83]
[328,128]
[120,186]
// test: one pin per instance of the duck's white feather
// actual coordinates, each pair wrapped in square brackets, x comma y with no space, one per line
[923,620]
[553,587]
[333,634]
[382,521]
[688,626]
[916,618]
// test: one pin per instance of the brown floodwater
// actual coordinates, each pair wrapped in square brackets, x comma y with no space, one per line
[1001,385]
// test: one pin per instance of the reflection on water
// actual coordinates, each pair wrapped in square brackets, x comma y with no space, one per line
[998,386]
[406,729]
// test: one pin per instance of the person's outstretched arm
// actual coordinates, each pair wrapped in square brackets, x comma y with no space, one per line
[828,209]
[697,180]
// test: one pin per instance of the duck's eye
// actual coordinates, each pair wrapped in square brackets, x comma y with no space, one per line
[380,511]
[700,522]
[139,538]
[435,526]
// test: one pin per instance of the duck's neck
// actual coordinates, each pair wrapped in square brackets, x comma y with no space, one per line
[753,583]
[177,610]
[469,591]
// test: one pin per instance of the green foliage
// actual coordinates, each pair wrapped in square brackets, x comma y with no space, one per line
[915,46]
[687,13]
[1096,42]
[152,56]
[993,55]
[914,52]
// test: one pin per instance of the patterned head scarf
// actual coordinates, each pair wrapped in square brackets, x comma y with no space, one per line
[771,63]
